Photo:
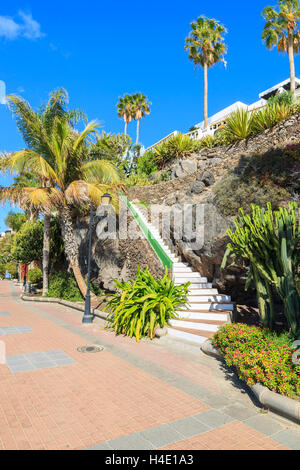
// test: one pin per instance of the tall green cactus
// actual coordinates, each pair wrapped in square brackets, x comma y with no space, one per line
[269,240]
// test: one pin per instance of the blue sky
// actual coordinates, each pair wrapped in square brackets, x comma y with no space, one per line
[99,50]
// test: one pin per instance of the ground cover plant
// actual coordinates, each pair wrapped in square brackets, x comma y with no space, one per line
[260,357]
[142,305]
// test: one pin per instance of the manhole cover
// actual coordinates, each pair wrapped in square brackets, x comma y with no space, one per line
[90,349]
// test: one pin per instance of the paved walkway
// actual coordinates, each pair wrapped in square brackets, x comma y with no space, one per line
[151,395]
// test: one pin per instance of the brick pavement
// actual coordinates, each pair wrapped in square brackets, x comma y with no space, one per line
[130,394]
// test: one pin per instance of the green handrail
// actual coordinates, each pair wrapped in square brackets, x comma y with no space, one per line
[159,251]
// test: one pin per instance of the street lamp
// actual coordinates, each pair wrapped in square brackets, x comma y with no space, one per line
[87,316]
[106,199]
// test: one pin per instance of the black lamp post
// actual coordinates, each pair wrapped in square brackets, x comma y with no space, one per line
[87,317]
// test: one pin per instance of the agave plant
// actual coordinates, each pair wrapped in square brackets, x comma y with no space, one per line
[142,305]
[239,125]
[270,116]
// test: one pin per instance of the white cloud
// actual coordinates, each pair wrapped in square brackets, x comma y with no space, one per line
[26,27]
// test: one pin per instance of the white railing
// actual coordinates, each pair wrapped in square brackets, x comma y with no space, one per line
[161,141]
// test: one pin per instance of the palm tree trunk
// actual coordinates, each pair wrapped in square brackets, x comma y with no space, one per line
[125,130]
[71,247]
[292,63]
[205,97]
[137,131]
[46,250]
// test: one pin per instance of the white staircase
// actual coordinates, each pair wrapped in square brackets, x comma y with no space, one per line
[205,311]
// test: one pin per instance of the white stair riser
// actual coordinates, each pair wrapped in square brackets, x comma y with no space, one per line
[196,292]
[209,298]
[181,271]
[191,280]
[202,316]
[195,339]
[194,326]
[196,286]
[209,306]
[190,275]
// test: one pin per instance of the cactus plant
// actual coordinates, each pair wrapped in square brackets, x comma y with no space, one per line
[269,240]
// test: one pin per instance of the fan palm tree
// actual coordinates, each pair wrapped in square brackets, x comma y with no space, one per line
[206,47]
[34,127]
[282,30]
[140,107]
[124,107]
[69,181]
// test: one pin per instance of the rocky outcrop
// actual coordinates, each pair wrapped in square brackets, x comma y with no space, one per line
[113,258]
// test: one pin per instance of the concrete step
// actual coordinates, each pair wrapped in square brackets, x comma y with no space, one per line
[187,336]
[200,292]
[191,275]
[209,316]
[208,306]
[208,298]
[196,325]
[195,286]
[182,271]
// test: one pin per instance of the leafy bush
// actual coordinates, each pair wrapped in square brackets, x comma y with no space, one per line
[233,192]
[146,164]
[12,268]
[258,358]
[144,304]
[28,242]
[35,276]
[286,98]
[63,285]
[205,143]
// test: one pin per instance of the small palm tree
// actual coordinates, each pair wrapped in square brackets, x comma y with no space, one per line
[35,127]
[140,107]
[70,180]
[206,47]
[124,107]
[282,30]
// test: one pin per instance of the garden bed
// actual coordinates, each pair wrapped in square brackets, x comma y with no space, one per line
[265,361]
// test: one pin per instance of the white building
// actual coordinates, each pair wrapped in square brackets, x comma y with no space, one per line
[219,119]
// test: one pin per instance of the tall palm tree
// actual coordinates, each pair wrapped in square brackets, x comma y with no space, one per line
[206,47]
[282,30]
[140,107]
[124,107]
[34,127]
[70,180]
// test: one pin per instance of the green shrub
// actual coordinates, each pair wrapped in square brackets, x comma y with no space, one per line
[205,143]
[144,304]
[136,179]
[232,193]
[63,285]
[286,98]
[12,268]
[258,358]
[146,164]
[35,276]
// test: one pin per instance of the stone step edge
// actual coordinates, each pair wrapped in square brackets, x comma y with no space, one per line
[274,401]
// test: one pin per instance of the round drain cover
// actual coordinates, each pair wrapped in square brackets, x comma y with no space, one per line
[90,349]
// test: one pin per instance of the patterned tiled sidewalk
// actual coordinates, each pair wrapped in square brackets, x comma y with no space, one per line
[130,396]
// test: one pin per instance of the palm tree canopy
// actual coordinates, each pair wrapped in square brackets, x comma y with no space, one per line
[124,108]
[70,180]
[140,106]
[282,23]
[205,43]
